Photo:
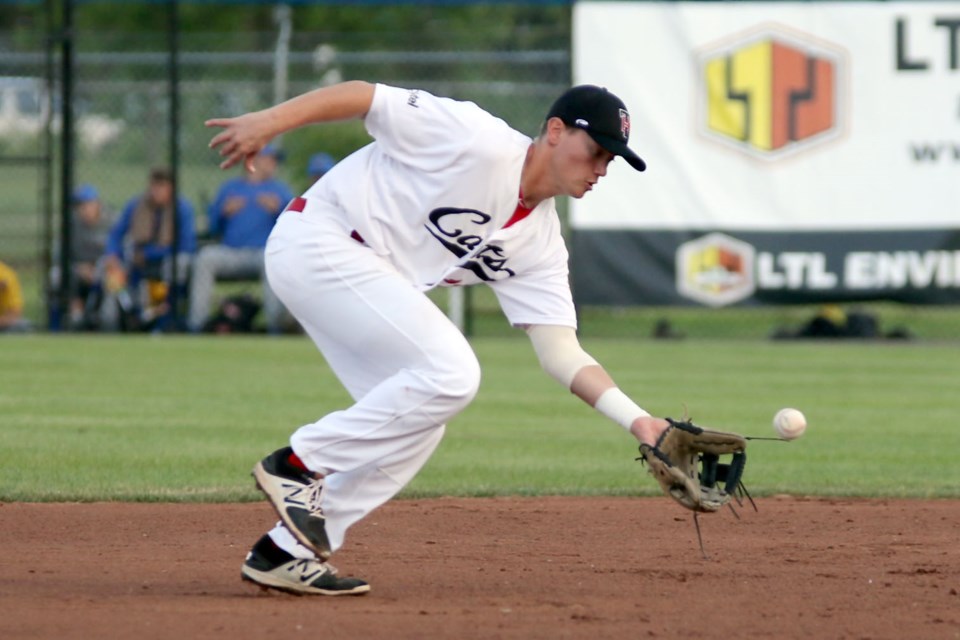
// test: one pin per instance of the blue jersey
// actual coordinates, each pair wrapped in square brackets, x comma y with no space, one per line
[252,223]
[186,241]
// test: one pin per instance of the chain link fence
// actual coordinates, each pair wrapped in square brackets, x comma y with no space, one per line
[125,84]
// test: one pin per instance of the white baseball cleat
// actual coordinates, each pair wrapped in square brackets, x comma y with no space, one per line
[270,567]
[296,496]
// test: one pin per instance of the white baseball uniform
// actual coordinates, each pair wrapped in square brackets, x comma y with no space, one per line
[433,201]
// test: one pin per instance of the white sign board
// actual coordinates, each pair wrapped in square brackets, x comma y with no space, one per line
[812,116]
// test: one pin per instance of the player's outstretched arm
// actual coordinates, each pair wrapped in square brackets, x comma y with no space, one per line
[244,136]
[561,356]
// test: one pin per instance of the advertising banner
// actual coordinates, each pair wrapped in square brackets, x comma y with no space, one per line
[797,152]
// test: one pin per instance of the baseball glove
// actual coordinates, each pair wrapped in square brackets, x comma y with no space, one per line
[686,463]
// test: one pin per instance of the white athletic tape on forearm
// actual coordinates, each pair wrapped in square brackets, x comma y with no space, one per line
[559,352]
[615,404]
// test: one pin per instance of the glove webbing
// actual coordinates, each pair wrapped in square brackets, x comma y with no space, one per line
[711,471]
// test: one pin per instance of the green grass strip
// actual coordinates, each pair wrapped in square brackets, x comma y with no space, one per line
[177,418]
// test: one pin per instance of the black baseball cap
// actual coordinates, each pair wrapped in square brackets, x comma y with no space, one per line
[602,115]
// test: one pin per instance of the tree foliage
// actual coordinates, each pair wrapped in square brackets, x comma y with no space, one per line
[485,26]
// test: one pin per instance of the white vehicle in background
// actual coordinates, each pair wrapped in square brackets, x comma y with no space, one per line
[24,107]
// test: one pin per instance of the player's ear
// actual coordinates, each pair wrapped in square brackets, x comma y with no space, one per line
[554,129]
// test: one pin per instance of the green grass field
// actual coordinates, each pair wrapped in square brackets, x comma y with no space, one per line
[174,418]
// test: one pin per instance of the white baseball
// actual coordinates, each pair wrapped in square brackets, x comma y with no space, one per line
[789,424]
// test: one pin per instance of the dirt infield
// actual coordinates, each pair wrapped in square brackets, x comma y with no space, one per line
[494,568]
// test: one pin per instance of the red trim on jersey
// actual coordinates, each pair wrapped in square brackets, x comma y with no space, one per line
[519,213]
[297,204]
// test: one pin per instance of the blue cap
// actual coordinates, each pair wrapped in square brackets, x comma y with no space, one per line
[274,151]
[85,193]
[320,163]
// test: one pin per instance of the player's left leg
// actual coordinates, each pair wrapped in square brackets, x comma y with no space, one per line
[270,566]
[407,366]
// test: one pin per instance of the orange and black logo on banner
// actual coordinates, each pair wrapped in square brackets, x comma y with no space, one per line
[771,92]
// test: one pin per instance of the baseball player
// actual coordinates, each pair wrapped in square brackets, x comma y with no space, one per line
[446,195]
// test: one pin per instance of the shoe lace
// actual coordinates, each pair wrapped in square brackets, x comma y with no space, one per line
[306,566]
[315,497]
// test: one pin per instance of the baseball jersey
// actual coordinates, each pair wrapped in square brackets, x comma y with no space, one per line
[251,225]
[436,193]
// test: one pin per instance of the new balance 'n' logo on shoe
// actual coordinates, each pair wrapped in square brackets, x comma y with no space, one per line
[296,497]
[273,568]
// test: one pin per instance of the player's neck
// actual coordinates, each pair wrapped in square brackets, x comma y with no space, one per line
[533,183]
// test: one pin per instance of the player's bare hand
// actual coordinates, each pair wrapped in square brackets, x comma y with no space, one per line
[647,429]
[241,140]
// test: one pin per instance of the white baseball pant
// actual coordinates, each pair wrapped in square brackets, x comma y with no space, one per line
[406,365]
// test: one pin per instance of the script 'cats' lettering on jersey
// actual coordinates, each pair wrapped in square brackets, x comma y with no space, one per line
[447,224]
[489,259]
[449,230]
